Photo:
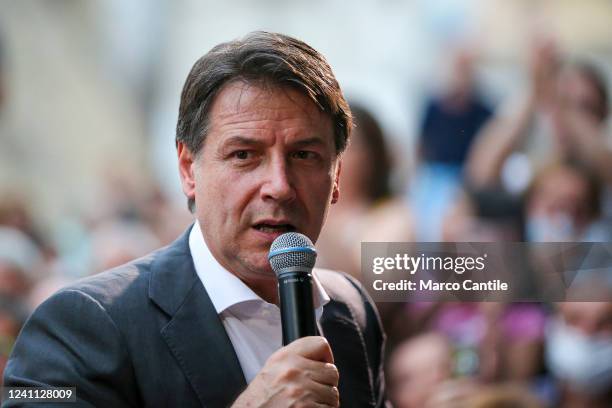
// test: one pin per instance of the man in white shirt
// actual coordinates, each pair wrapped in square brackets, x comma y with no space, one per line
[262,124]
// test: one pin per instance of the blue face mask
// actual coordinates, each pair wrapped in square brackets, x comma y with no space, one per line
[584,362]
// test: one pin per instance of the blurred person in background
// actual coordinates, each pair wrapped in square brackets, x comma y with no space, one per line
[116,242]
[469,353]
[562,116]
[422,371]
[450,122]
[494,341]
[563,204]
[511,347]
[416,368]
[368,210]
[162,216]
[21,263]
[141,202]
[475,216]
[106,244]
[15,212]
[483,216]
[452,118]
[579,348]
[13,314]
[491,341]
[465,393]
[501,396]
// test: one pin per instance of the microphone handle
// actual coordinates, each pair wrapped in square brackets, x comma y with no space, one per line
[296,305]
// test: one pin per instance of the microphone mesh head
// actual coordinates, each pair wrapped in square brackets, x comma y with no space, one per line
[291,250]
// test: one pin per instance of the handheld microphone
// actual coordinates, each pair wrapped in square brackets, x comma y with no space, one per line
[292,257]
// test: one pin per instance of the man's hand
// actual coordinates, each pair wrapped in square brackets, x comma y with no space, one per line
[301,374]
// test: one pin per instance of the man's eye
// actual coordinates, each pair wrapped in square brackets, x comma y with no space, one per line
[242,154]
[304,155]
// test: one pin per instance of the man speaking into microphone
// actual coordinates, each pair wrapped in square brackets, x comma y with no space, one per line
[261,128]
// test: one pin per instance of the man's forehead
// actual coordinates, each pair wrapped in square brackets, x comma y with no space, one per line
[241,98]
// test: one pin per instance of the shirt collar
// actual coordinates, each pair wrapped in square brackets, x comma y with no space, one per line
[224,288]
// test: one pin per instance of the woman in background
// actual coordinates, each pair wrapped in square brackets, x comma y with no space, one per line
[367,211]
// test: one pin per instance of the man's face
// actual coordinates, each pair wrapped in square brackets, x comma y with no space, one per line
[268,166]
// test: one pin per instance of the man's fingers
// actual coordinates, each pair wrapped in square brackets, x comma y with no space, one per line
[326,394]
[313,348]
[302,371]
[322,373]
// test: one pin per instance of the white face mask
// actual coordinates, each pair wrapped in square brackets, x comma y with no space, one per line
[585,362]
[557,228]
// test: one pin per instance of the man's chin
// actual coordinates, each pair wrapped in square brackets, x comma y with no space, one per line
[253,257]
[259,267]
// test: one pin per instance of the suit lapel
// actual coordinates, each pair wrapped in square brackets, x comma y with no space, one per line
[199,342]
[346,342]
[195,334]
[342,322]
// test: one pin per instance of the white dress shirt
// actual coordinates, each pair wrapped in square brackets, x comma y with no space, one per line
[252,324]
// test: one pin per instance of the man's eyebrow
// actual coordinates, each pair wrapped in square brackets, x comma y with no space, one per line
[242,141]
[247,141]
[310,141]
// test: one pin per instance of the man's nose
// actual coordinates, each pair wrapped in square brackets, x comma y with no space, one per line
[278,183]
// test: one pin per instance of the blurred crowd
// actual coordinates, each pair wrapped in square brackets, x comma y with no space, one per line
[536,168]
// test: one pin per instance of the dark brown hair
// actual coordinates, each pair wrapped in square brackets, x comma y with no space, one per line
[377,185]
[271,58]
[593,75]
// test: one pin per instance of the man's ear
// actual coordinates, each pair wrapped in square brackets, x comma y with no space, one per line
[336,190]
[186,163]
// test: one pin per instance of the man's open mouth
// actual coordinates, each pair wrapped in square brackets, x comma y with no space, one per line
[274,228]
